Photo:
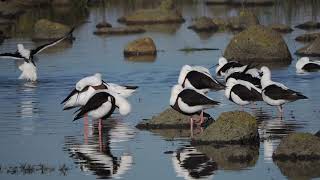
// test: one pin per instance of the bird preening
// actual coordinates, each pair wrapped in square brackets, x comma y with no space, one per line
[28,67]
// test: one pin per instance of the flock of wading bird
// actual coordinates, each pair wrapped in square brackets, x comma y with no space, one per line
[244,84]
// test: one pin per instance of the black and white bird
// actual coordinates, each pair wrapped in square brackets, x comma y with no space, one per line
[277,94]
[198,78]
[190,102]
[102,104]
[87,86]
[28,68]
[251,75]
[241,92]
[224,66]
[305,65]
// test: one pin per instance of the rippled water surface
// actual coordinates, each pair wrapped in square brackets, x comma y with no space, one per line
[36,133]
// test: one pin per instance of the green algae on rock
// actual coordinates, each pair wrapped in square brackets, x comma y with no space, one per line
[48,30]
[298,146]
[258,44]
[204,24]
[244,20]
[230,128]
[141,46]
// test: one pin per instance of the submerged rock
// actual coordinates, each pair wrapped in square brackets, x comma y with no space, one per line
[119,30]
[298,146]
[165,13]
[204,24]
[312,49]
[282,28]
[230,128]
[103,25]
[48,30]
[141,46]
[308,37]
[309,25]
[258,44]
[245,19]
[299,169]
[168,119]
[231,157]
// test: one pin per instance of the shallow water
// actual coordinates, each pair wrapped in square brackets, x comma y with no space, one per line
[35,130]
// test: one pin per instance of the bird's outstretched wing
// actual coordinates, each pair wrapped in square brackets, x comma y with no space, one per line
[15,55]
[45,46]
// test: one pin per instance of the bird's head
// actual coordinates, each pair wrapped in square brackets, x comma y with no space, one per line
[222,61]
[231,82]
[20,47]
[98,75]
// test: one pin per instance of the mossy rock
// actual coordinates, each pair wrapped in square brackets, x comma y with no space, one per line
[165,13]
[258,44]
[118,31]
[298,146]
[168,119]
[204,24]
[231,157]
[141,46]
[230,128]
[299,169]
[221,23]
[312,49]
[308,37]
[244,20]
[10,10]
[31,3]
[61,2]
[309,25]
[103,25]
[48,30]
[282,28]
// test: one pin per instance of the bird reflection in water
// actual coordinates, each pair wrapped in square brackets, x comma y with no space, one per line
[192,164]
[95,154]
[273,129]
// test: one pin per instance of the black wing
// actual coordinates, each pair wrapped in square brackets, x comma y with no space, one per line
[130,87]
[231,64]
[15,55]
[275,92]
[245,77]
[93,103]
[43,47]
[246,94]
[311,67]
[202,81]
[193,98]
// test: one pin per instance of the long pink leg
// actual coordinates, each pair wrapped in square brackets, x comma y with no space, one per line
[100,135]
[191,127]
[85,128]
[201,118]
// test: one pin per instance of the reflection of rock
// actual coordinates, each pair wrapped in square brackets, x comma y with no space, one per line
[298,146]
[203,24]
[170,134]
[162,28]
[163,14]
[244,20]
[308,37]
[259,44]
[142,46]
[241,2]
[47,30]
[309,25]
[167,119]
[312,49]
[103,25]
[230,128]
[282,28]
[142,59]
[192,164]
[118,30]
[231,157]
[299,169]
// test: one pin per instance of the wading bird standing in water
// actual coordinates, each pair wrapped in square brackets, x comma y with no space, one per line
[28,67]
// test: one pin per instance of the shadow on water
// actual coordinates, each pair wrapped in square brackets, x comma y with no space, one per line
[94,153]
[142,59]
[299,169]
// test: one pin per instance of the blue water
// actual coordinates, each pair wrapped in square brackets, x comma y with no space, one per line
[34,129]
